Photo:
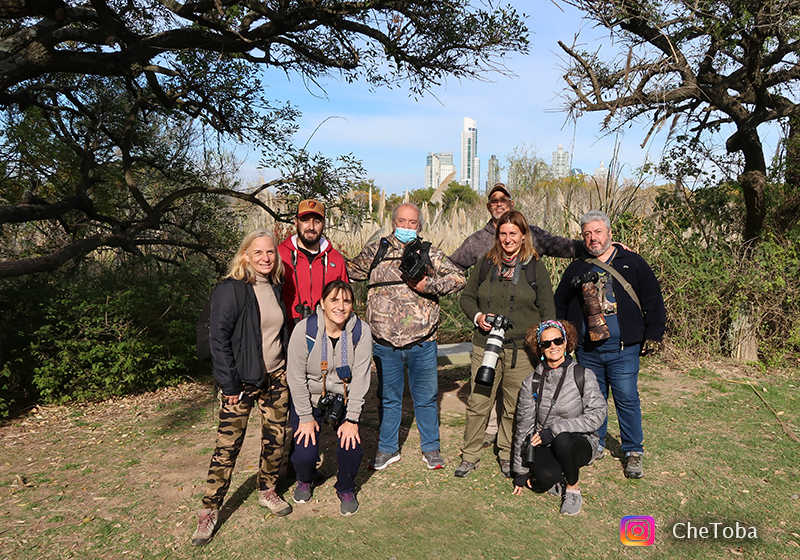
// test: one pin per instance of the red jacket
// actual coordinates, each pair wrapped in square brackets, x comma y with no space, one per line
[303,282]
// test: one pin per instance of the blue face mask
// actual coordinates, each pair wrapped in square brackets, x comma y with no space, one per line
[404,235]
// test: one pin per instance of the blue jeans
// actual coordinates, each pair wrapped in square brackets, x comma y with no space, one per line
[423,383]
[618,370]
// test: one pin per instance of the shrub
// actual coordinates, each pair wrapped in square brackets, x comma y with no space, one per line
[103,331]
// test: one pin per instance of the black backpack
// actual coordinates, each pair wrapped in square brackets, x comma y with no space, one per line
[202,346]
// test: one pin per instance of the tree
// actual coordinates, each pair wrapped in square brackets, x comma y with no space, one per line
[458,194]
[115,113]
[698,66]
[526,169]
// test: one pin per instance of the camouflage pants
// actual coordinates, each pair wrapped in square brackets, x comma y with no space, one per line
[273,402]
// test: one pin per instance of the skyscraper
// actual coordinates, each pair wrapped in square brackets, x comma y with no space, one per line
[493,175]
[470,163]
[437,168]
[560,163]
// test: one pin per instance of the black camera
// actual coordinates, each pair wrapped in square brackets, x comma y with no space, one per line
[586,278]
[494,345]
[304,310]
[528,452]
[412,265]
[333,408]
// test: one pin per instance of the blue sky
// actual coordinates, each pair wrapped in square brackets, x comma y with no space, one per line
[392,133]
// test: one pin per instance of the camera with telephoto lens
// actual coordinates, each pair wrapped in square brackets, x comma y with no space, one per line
[494,345]
[592,308]
[412,265]
[333,408]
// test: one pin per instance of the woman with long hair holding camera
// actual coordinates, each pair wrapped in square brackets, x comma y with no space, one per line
[559,411]
[329,375]
[248,339]
[507,290]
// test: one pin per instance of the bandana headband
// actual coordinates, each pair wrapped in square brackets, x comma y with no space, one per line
[549,325]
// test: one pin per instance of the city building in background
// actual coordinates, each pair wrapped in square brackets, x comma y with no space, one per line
[439,167]
[601,173]
[470,163]
[561,163]
[493,175]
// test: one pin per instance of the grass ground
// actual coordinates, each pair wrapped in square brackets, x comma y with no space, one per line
[123,479]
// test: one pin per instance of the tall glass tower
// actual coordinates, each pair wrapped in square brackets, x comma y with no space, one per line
[470,163]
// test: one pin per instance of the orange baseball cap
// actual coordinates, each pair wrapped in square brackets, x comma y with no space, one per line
[310,206]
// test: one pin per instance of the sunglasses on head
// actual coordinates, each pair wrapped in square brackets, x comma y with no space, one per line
[546,343]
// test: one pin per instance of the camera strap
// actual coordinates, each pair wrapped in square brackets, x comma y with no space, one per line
[323,364]
[555,393]
[300,301]
[619,277]
[380,256]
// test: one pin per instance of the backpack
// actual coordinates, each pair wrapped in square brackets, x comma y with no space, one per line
[202,345]
[529,267]
[312,327]
[579,372]
[383,246]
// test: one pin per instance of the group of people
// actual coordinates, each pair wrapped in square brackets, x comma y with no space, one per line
[283,335]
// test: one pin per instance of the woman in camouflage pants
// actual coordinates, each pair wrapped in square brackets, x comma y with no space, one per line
[248,337]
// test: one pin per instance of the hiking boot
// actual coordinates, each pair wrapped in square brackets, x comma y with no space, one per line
[571,503]
[633,466]
[505,467]
[205,526]
[598,454]
[277,505]
[465,468]
[433,459]
[302,492]
[349,503]
[556,489]
[383,460]
[489,439]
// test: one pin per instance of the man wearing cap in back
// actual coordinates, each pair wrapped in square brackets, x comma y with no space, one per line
[310,261]
[479,243]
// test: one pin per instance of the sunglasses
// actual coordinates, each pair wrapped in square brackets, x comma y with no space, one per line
[546,343]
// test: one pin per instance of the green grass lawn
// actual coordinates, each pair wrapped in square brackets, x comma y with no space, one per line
[123,479]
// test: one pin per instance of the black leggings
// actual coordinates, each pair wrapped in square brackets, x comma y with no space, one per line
[564,457]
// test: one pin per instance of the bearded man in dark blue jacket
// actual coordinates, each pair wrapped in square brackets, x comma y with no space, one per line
[613,297]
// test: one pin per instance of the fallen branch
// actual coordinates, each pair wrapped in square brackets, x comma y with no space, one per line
[786,428]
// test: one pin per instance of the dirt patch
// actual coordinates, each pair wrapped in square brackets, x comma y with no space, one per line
[136,465]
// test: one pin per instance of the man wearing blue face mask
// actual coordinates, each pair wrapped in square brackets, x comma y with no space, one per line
[405,278]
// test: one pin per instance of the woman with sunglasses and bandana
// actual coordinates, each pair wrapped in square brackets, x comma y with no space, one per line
[559,410]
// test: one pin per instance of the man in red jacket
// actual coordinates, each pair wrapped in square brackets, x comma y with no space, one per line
[310,261]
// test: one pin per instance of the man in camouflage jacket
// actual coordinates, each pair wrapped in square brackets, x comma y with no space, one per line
[403,315]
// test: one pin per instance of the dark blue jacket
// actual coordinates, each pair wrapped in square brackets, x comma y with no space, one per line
[235,338]
[635,326]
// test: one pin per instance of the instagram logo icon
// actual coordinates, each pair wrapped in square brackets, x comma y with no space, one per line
[637,530]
